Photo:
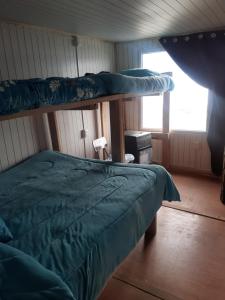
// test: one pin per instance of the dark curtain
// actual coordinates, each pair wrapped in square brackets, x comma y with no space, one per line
[216,132]
[202,57]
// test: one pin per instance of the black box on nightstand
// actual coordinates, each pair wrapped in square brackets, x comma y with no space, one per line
[139,143]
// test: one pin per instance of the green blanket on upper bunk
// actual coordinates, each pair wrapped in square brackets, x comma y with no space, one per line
[20,95]
[78,218]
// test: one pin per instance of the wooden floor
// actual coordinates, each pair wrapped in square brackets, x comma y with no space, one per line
[186,258]
[199,195]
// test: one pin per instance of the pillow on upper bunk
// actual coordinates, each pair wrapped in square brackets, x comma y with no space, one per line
[139,72]
[5,234]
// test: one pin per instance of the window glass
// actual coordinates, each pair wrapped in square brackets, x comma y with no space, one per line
[152,116]
[188,101]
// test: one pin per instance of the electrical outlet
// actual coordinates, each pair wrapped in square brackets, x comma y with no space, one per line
[75,41]
[83,133]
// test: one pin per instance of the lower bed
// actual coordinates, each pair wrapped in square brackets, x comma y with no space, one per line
[80,218]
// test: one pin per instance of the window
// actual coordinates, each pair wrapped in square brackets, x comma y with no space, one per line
[152,112]
[188,101]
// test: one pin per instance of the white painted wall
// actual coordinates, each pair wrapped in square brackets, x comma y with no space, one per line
[26,52]
[129,54]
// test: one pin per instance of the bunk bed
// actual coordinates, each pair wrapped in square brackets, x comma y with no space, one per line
[73,220]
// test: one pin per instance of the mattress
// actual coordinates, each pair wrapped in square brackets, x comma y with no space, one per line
[80,218]
[20,95]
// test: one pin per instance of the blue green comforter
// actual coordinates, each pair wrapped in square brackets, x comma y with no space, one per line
[23,278]
[78,218]
[19,95]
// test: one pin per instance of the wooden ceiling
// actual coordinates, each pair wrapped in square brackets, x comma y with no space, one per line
[118,20]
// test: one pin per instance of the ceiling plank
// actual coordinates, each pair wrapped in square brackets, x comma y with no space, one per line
[118,20]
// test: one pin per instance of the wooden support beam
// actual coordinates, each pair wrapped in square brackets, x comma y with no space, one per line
[88,107]
[69,106]
[117,130]
[166,129]
[52,121]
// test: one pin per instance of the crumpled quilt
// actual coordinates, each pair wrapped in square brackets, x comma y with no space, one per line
[23,278]
[20,95]
[79,217]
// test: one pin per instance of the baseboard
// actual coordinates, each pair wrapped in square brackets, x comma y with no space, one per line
[193,172]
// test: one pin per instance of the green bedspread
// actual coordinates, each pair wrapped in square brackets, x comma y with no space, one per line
[79,218]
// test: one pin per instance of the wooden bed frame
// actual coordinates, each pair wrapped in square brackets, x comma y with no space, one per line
[116,106]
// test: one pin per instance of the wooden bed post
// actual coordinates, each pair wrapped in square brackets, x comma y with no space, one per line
[52,121]
[166,129]
[151,230]
[117,130]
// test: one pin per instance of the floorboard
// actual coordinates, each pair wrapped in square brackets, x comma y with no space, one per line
[185,260]
[199,195]
[117,289]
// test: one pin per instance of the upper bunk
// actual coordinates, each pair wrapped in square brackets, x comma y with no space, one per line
[26,97]
[19,98]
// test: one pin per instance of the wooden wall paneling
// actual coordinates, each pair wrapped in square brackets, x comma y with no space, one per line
[3,150]
[157,151]
[26,52]
[22,137]
[17,61]
[25,70]
[129,54]
[15,140]
[186,149]
[8,52]
[54,132]
[173,147]
[66,126]
[36,53]
[189,151]
[29,53]
[18,141]
[62,134]
[89,118]
[15,58]
[8,143]
[79,143]
[77,126]
[70,126]
[205,158]
[47,143]
[3,62]
[132,114]
[30,138]
[76,144]
[42,130]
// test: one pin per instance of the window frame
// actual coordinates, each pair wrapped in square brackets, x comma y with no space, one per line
[166,114]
